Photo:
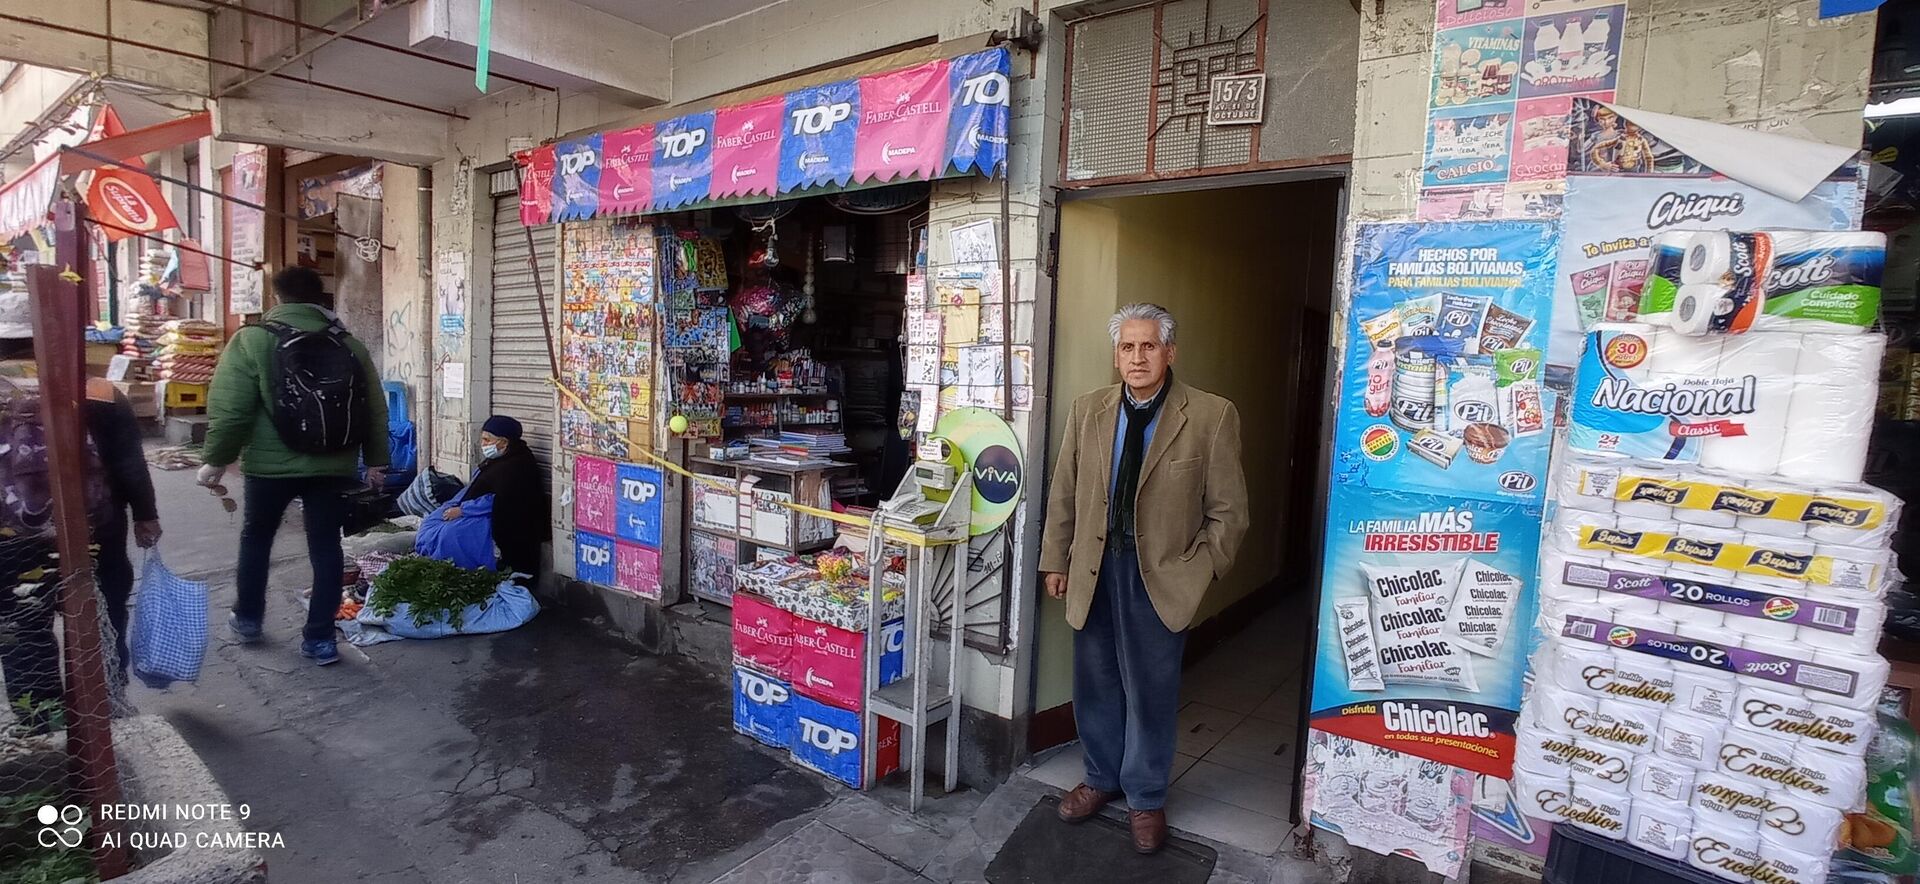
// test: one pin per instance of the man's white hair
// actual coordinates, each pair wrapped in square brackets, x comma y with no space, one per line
[1153,313]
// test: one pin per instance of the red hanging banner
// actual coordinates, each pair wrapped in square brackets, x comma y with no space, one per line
[124,201]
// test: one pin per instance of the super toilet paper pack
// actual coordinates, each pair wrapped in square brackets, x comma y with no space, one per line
[1858,515]
[1721,282]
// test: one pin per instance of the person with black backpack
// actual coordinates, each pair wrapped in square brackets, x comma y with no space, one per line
[294,401]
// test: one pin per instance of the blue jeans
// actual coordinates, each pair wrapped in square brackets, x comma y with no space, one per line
[325,509]
[1126,686]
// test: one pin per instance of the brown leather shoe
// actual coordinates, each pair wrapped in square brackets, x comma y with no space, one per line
[1083,802]
[1149,830]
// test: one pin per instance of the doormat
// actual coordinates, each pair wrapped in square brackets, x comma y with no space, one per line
[1044,850]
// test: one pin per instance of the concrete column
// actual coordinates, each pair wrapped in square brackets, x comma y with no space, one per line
[158,24]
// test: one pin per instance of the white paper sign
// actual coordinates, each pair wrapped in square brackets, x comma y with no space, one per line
[453,380]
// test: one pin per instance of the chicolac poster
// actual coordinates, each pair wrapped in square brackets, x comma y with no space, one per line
[1424,632]
[1443,390]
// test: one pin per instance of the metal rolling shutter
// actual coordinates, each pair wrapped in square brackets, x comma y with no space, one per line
[520,367]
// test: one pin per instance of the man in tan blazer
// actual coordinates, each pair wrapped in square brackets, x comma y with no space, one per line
[1147,508]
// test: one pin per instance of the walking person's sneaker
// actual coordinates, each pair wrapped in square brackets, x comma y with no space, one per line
[1149,830]
[322,651]
[245,631]
[1083,802]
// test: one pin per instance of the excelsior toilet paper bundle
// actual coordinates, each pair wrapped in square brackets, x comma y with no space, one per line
[1704,691]
[1767,711]
[1659,827]
[1642,677]
[1691,739]
[1802,825]
[1583,668]
[1543,750]
[1599,810]
[1829,778]
[1723,853]
[1627,724]
[1661,779]
[1785,865]
[1761,761]
[1542,796]
[1562,711]
[1601,766]
[1841,729]
[1725,802]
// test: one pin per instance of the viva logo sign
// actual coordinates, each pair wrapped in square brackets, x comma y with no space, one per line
[996,474]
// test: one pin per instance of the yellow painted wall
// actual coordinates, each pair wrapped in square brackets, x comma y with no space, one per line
[1235,267]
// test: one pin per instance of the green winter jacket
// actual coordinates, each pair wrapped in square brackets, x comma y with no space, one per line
[240,426]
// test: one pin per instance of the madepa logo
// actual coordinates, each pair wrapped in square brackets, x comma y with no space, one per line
[680,145]
[888,153]
[820,120]
[826,737]
[60,826]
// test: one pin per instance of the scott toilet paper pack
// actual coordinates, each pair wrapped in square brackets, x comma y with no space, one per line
[1716,281]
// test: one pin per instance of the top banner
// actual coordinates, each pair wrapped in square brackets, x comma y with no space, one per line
[933,120]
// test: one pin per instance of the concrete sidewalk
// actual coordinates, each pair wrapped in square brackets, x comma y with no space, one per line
[543,754]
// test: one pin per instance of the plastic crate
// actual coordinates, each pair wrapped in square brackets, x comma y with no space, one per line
[1577,856]
[186,395]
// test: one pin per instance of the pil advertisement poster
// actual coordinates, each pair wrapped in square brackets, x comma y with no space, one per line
[1424,624]
[1443,390]
[1624,185]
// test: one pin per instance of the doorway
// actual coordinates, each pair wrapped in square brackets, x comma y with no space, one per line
[1247,272]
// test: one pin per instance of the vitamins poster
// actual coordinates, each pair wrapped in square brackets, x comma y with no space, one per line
[1503,81]
[1424,624]
[1442,390]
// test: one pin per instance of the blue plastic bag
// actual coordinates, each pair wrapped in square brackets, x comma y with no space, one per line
[169,626]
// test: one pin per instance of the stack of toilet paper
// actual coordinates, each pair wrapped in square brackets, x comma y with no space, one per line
[1706,282]
[1796,405]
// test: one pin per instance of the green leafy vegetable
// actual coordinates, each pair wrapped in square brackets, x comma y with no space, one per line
[432,589]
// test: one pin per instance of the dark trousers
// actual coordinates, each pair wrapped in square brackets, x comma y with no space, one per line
[29,655]
[113,571]
[1126,686]
[520,557]
[326,510]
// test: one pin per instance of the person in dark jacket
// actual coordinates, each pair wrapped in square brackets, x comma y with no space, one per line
[116,435]
[509,472]
[29,579]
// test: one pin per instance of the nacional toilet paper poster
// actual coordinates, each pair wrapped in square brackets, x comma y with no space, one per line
[1443,389]
[1629,179]
[1425,623]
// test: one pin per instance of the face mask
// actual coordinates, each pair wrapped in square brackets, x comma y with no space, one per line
[489,451]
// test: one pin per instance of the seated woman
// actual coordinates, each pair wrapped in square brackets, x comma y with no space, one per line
[508,492]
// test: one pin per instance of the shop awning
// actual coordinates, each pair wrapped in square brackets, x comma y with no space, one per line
[941,118]
[131,146]
[25,200]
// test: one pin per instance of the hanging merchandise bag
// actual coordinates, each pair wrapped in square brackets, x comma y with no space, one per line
[169,626]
